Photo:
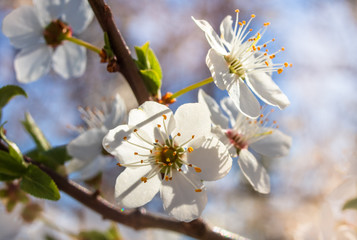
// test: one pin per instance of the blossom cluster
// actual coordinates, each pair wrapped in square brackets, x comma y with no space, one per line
[161,151]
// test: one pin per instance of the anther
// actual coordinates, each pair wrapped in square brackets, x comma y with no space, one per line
[273,39]
[198,190]
[286,64]
[179,134]
[290,65]
[250,30]
[142,161]
[106,146]
[190,165]
[190,149]
[125,138]
[144,179]
[237,10]
[243,22]
[167,178]
[164,116]
[266,63]
[168,160]
[197,169]
[272,56]
[119,164]
[135,153]
[193,136]
[252,16]
[158,125]
[280,70]
[135,130]
[282,49]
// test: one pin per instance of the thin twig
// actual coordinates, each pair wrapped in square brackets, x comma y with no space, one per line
[126,64]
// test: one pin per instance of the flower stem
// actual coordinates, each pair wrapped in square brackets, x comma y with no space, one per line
[84,44]
[191,87]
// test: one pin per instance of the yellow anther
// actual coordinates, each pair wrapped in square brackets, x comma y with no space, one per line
[266,24]
[291,65]
[261,115]
[198,190]
[272,56]
[144,179]
[174,153]
[125,138]
[156,140]
[135,153]
[237,10]
[243,22]
[135,130]
[273,39]
[258,48]
[286,64]
[254,48]
[266,50]
[250,30]
[164,116]
[197,169]
[190,149]
[158,125]
[252,16]
[261,121]
[168,160]
[142,161]
[265,54]
[280,70]
[179,134]
[264,45]
[167,178]
[240,24]
[193,136]
[119,164]
[282,49]
[266,63]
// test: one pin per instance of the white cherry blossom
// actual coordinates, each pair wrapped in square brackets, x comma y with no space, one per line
[242,134]
[86,149]
[38,32]
[241,66]
[167,153]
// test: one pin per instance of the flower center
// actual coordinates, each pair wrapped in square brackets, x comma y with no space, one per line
[235,66]
[237,140]
[56,32]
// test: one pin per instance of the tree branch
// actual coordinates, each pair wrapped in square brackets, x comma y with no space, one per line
[126,64]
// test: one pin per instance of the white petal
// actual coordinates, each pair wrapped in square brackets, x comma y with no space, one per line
[274,145]
[213,158]
[49,10]
[124,150]
[31,63]
[254,172]
[87,146]
[131,192]
[231,109]
[117,114]
[243,98]
[217,116]
[212,37]
[148,115]
[266,89]
[69,60]
[78,14]
[219,69]
[227,28]
[180,199]
[22,27]
[84,170]
[192,119]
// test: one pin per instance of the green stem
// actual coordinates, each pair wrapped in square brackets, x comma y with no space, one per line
[84,44]
[191,87]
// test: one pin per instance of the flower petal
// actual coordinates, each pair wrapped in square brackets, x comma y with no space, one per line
[117,113]
[212,158]
[274,145]
[22,27]
[31,63]
[212,37]
[180,199]
[125,150]
[217,116]
[219,69]
[49,10]
[254,172]
[131,192]
[266,89]
[78,14]
[226,28]
[148,115]
[69,60]
[192,119]
[231,109]
[87,146]
[84,170]
[243,98]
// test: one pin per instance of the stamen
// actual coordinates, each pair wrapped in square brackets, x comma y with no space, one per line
[197,169]
[190,149]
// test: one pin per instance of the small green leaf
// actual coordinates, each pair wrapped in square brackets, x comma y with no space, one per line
[107,47]
[8,92]
[154,63]
[92,235]
[151,80]
[10,167]
[52,158]
[13,148]
[39,184]
[36,133]
[350,204]
[6,178]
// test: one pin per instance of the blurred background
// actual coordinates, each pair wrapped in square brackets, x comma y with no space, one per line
[318,36]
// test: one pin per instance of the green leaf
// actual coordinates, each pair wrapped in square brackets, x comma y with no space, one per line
[107,47]
[13,148]
[52,158]
[350,204]
[6,178]
[36,133]
[149,67]
[10,167]
[8,92]
[39,184]
[92,235]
